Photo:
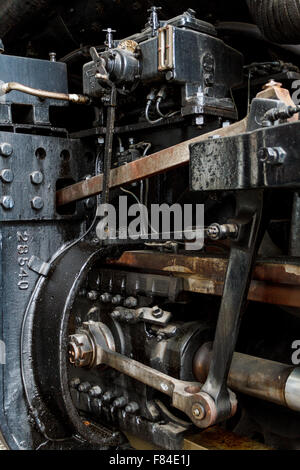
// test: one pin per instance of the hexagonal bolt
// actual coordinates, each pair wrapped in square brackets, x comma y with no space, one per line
[37,203]
[105,298]
[129,316]
[272,155]
[6,175]
[7,202]
[74,382]
[130,302]
[80,350]
[120,402]
[117,299]
[92,295]
[84,387]
[132,407]
[95,391]
[115,314]
[36,177]
[6,149]
[108,396]
[221,232]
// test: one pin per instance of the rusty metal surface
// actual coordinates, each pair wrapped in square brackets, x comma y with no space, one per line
[167,159]
[216,438]
[273,90]
[274,282]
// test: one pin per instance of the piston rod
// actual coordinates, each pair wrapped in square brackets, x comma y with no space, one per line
[261,378]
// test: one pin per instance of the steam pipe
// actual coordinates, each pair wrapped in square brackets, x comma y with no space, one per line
[43,94]
[261,378]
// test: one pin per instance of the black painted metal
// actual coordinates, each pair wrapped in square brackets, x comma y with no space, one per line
[242,162]
[45,358]
[250,219]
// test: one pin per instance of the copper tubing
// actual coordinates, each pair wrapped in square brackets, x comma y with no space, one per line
[267,380]
[43,94]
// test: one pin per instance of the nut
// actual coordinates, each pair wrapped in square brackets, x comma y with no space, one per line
[272,155]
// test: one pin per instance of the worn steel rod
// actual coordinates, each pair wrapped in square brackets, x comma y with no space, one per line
[261,378]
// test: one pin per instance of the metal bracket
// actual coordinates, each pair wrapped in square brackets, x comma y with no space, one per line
[216,398]
[39,266]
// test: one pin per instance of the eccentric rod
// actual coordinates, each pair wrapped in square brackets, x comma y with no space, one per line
[6,88]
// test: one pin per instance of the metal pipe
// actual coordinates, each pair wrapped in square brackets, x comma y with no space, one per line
[261,378]
[43,94]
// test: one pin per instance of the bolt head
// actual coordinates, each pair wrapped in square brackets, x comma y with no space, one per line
[36,177]
[272,155]
[105,298]
[6,175]
[169,75]
[7,202]
[37,203]
[92,295]
[75,382]
[95,391]
[157,312]
[6,149]
[84,387]
[130,302]
[117,299]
